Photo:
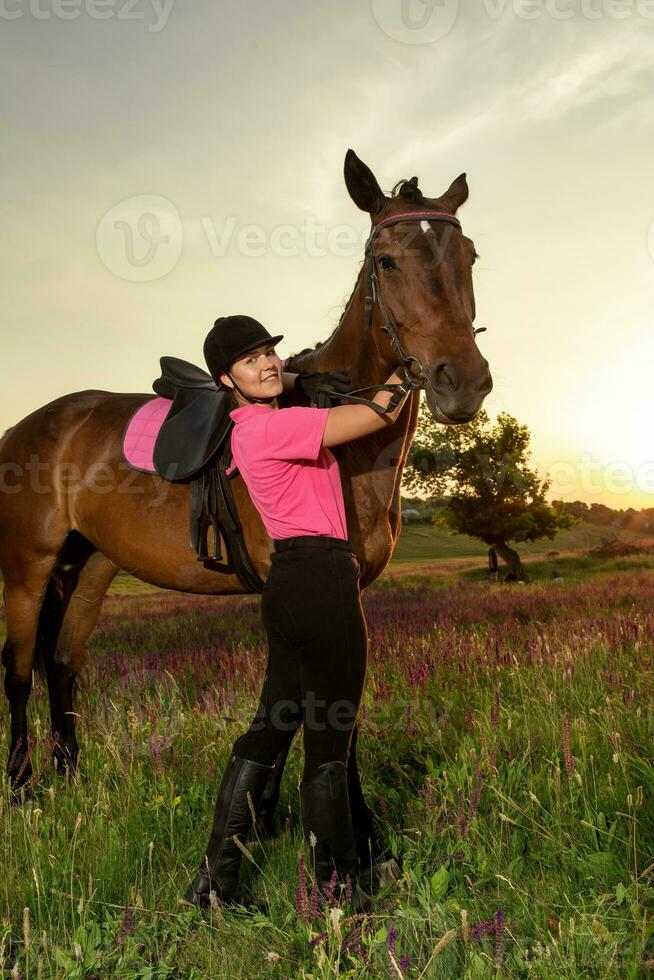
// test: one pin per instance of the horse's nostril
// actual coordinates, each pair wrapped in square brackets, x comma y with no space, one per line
[445,376]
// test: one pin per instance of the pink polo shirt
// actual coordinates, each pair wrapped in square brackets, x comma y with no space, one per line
[294,481]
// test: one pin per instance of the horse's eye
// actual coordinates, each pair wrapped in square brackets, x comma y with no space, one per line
[386,262]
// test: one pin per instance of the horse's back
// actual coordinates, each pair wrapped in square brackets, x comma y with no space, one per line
[54,429]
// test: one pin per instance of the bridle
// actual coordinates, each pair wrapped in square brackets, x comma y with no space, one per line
[373,295]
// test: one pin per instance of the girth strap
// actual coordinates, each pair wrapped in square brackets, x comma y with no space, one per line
[213,505]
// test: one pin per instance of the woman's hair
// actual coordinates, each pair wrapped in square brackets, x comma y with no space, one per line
[231,392]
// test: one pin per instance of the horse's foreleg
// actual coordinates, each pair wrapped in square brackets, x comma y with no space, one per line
[61,685]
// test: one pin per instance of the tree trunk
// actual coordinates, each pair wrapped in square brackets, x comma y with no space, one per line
[492,564]
[516,571]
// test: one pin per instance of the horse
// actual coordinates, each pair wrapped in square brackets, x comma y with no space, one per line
[63,539]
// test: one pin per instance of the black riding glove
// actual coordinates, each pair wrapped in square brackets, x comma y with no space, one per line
[322,387]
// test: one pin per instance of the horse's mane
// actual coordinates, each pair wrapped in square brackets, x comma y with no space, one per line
[403,188]
[409,189]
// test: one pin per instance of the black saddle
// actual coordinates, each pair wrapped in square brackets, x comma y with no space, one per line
[197,424]
[176,373]
[193,446]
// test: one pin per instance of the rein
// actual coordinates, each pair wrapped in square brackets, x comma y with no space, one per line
[374,295]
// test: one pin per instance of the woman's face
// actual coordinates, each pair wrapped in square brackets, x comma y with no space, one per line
[258,373]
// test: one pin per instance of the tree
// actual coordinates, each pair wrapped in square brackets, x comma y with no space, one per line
[495,495]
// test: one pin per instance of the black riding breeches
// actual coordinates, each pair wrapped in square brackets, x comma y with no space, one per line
[317,653]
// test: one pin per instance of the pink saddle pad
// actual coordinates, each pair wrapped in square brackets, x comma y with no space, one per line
[141,433]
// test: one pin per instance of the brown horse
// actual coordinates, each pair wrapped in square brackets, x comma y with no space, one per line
[73,513]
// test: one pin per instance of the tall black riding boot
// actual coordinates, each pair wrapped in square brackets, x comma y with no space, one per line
[219,871]
[325,807]
[368,845]
[268,820]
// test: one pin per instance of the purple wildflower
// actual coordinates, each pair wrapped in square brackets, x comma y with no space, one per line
[391,937]
[569,760]
[301,901]
[499,937]
[30,746]
[317,939]
[329,889]
[480,930]
[495,710]
[354,942]
[126,925]
[12,757]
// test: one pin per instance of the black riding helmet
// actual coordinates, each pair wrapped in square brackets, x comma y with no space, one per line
[230,338]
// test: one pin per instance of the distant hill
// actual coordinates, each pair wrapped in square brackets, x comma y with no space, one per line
[639,521]
[423,541]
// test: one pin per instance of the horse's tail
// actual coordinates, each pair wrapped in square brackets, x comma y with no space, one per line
[61,585]
[50,618]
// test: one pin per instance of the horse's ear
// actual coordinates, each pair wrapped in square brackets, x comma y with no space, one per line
[362,184]
[456,194]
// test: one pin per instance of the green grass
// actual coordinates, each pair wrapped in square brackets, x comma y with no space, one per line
[420,543]
[423,542]
[505,746]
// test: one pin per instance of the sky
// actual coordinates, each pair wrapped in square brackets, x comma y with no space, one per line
[166,162]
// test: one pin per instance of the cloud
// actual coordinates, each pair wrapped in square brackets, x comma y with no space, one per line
[618,67]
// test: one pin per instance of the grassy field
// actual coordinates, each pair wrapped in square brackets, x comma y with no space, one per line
[421,541]
[505,746]
[421,545]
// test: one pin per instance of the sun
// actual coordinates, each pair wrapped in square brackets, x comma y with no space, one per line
[613,419]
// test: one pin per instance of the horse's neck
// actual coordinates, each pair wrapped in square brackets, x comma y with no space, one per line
[352,346]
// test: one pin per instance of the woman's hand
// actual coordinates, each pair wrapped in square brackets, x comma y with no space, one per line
[347,422]
[322,387]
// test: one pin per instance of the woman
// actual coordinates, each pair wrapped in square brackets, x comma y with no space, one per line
[310,606]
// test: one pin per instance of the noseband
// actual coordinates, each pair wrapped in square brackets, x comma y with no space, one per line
[373,295]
